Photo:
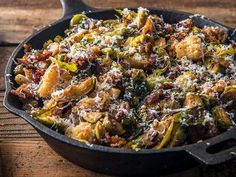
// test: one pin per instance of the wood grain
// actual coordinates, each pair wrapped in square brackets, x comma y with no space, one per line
[35,158]
[14,128]
[5,53]
[17,23]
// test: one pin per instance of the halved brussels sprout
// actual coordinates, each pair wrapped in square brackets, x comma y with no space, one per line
[148,27]
[99,131]
[178,134]
[21,79]
[77,37]
[166,137]
[51,121]
[218,68]
[76,19]
[223,120]
[112,126]
[221,50]
[58,38]
[114,92]
[186,81]
[175,134]
[83,132]
[192,100]
[169,104]
[19,69]
[113,53]
[93,117]
[127,15]
[49,81]
[137,40]
[229,94]
[75,91]
[196,30]
[208,100]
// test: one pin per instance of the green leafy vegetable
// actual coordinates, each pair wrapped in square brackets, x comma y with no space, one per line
[69,66]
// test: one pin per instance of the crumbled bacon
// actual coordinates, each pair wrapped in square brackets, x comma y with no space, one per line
[154,97]
[23,91]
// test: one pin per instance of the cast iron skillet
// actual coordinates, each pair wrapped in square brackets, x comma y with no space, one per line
[110,160]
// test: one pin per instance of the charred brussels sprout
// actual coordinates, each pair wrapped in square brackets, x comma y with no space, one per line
[229,94]
[51,121]
[208,100]
[175,134]
[112,126]
[19,69]
[93,117]
[223,120]
[192,100]
[99,131]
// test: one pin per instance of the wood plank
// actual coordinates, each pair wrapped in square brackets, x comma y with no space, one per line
[13,127]
[36,159]
[17,23]
[5,53]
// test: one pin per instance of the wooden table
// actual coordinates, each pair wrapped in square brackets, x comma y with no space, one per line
[22,151]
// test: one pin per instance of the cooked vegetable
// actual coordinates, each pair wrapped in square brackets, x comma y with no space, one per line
[179,133]
[186,81]
[93,117]
[99,131]
[229,94]
[83,132]
[222,119]
[167,136]
[76,19]
[51,121]
[175,134]
[21,79]
[76,91]
[190,47]
[112,126]
[69,66]
[131,82]
[49,81]
[19,69]
[192,100]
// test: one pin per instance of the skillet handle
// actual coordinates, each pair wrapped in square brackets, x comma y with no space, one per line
[72,6]
[211,152]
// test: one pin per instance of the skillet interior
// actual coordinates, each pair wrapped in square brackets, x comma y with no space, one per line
[109,160]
